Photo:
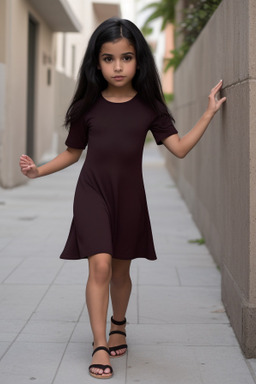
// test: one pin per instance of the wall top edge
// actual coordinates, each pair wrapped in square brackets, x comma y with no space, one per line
[58,14]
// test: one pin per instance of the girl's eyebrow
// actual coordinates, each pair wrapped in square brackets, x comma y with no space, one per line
[122,54]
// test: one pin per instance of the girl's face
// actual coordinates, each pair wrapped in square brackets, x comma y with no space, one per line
[117,62]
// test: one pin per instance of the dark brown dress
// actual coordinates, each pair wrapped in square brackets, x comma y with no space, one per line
[110,208]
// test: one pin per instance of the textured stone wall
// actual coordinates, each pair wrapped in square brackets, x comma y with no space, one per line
[218,178]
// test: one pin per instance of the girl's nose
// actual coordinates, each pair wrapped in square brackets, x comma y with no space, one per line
[118,66]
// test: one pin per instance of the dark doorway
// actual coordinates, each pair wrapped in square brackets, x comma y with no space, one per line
[32,33]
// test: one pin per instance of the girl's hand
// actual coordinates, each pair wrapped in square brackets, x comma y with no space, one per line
[213,103]
[28,167]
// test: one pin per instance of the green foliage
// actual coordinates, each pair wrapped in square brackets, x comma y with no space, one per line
[196,15]
[146,30]
[177,56]
[164,9]
[197,241]
[195,18]
[149,138]
[169,97]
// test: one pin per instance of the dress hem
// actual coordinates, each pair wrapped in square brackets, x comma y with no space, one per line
[86,257]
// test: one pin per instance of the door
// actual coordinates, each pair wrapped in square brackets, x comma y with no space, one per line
[32,32]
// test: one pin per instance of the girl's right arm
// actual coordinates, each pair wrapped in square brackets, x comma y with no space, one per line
[63,160]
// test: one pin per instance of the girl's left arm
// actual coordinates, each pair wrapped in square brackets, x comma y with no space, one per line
[180,147]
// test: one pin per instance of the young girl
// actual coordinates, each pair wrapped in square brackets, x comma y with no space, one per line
[117,101]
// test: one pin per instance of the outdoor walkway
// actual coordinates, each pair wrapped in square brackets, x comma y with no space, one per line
[178,331]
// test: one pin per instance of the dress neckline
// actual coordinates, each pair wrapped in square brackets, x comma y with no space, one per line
[123,102]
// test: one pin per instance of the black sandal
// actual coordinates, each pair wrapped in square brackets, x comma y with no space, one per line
[122,346]
[101,366]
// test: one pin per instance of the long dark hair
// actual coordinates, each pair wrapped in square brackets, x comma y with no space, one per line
[91,82]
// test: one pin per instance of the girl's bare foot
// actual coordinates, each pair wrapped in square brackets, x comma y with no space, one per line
[100,367]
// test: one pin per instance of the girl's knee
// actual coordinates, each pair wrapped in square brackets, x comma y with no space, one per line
[100,268]
[120,278]
[120,272]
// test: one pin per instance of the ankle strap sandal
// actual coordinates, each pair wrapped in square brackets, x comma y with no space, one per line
[113,321]
[101,366]
[118,347]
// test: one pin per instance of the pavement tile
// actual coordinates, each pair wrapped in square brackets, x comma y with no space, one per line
[181,334]
[162,364]
[252,366]
[159,273]
[211,335]
[82,333]
[61,303]
[8,265]
[73,272]
[167,305]
[31,362]
[84,317]
[199,276]
[4,241]
[165,243]
[187,365]
[185,260]
[47,332]
[10,328]
[214,371]
[3,348]
[35,271]
[18,302]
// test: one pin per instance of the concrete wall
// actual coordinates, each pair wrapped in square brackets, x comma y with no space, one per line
[218,179]
[2,73]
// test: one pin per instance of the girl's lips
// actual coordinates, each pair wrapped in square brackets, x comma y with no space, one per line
[118,77]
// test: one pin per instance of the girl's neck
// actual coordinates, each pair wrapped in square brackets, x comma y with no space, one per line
[119,95]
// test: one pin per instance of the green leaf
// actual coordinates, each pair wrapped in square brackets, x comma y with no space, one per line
[197,241]
[164,9]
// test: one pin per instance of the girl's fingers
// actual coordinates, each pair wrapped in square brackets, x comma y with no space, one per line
[26,160]
[27,166]
[23,162]
[217,87]
[214,103]
[215,90]
[221,101]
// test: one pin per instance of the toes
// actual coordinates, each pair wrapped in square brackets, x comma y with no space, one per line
[118,352]
[100,372]
[96,371]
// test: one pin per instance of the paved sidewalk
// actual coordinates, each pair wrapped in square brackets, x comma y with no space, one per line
[178,331]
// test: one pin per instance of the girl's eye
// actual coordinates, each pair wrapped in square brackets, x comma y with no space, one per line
[108,59]
[127,58]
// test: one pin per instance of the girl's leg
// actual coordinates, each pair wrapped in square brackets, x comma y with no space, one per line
[97,298]
[120,290]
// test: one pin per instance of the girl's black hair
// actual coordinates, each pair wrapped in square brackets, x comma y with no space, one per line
[91,82]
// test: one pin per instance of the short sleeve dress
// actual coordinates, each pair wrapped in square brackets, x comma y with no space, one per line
[110,207]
